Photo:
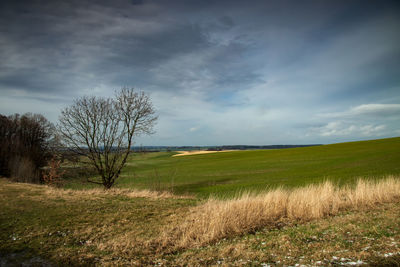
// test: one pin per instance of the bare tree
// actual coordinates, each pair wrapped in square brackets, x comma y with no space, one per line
[103,129]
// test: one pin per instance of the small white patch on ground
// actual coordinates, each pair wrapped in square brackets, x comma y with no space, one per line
[197,152]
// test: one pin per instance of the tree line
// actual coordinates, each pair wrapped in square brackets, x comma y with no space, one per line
[100,130]
[26,144]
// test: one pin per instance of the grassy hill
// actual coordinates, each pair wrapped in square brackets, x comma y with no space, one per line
[230,172]
[315,225]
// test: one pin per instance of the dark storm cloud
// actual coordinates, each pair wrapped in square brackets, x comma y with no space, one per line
[120,41]
[61,41]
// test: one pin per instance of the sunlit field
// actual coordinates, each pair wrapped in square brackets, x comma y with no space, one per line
[228,173]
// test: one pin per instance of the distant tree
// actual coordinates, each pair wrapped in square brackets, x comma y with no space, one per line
[103,129]
[26,144]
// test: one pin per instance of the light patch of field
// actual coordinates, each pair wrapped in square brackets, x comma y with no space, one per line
[198,152]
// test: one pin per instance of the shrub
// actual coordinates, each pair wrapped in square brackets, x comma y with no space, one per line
[52,176]
[22,169]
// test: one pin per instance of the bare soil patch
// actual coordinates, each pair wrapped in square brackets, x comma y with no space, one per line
[198,152]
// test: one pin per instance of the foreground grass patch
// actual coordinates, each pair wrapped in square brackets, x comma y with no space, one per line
[81,227]
[66,227]
[217,219]
[368,237]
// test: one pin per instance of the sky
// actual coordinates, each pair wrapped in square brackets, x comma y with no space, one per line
[218,72]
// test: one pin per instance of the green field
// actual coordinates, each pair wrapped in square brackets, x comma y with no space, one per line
[225,174]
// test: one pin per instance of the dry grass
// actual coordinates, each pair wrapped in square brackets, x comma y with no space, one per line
[133,193]
[83,227]
[217,219]
[52,192]
[106,228]
[367,235]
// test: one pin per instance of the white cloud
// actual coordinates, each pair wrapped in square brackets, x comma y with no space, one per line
[341,129]
[381,110]
[358,122]
[376,109]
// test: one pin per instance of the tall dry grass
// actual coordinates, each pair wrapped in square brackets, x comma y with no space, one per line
[217,219]
[100,192]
